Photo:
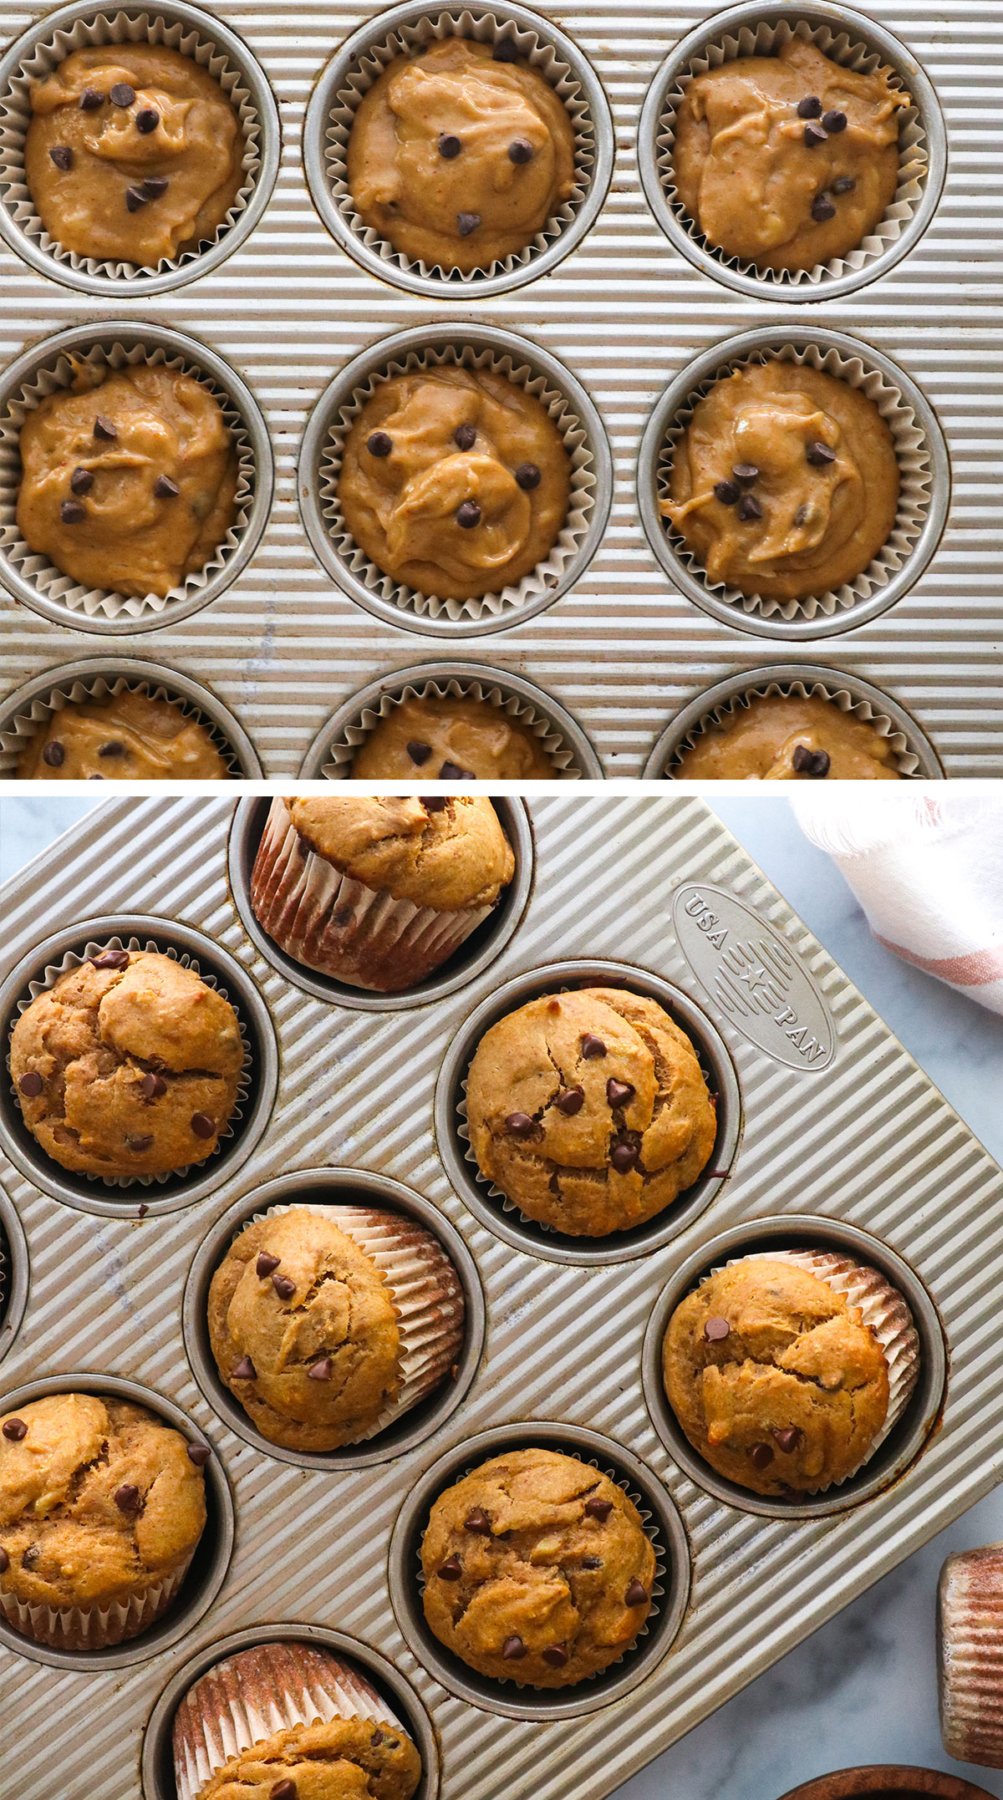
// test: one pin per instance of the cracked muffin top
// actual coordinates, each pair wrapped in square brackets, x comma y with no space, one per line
[537,1569]
[128,1065]
[589,1110]
[449,854]
[775,1378]
[99,1499]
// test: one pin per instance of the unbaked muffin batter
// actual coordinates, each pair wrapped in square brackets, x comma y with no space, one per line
[134,153]
[779,737]
[459,158]
[131,736]
[454,481]
[128,478]
[450,740]
[788,161]
[785,483]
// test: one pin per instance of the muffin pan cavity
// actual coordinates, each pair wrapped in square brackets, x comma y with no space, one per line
[13,1273]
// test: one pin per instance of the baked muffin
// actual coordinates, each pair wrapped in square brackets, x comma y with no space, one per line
[788,161]
[970,1646]
[328,1325]
[589,1110]
[378,892]
[127,1066]
[101,1510]
[289,1721]
[128,736]
[133,154]
[785,483]
[455,481]
[782,737]
[537,1569]
[787,1371]
[459,156]
[128,478]
[450,739]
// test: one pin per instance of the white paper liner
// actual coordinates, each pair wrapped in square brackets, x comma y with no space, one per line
[73,960]
[97,28]
[915,469]
[906,760]
[341,754]
[970,1630]
[581,505]
[410,37]
[54,370]
[651,1531]
[424,1287]
[18,732]
[93,1627]
[316,914]
[766,39]
[259,1693]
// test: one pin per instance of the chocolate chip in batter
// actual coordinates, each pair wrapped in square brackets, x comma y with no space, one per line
[450,146]
[716,1330]
[815,134]
[844,184]
[451,771]
[91,99]
[788,1437]
[81,481]
[202,1125]
[555,1655]
[31,1084]
[199,1454]
[128,1498]
[321,1370]
[419,753]
[835,122]
[465,437]
[111,959]
[528,477]
[814,763]
[619,1093]
[822,209]
[62,156]
[520,1125]
[570,1101]
[760,1456]
[155,187]
[139,1143]
[478,1522]
[598,1509]
[820,455]
[746,474]
[520,151]
[244,1370]
[147,120]
[165,489]
[111,748]
[513,1649]
[380,444]
[122,94]
[14,1430]
[152,1086]
[728,492]
[4,1561]
[284,1287]
[636,1594]
[134,198]
[71,512]
[624,1155]
[467,222]
[451,1569]
[54,754]
[468,515]
[265,1264]
[749,509]
[592,1047]
[810,107]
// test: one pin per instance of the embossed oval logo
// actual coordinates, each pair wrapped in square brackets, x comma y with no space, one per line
[755,978]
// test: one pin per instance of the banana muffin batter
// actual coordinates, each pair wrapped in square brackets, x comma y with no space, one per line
[788,161]
[537,1569]
[133,154]
[130,736]
[781,737]
[459,156]
[785,483]
[129,478]
[450,740]
[454,481]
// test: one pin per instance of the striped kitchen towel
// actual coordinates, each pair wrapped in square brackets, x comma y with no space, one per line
[927,869]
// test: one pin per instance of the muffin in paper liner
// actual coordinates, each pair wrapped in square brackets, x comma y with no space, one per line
[49,45]
[94,947]
[970,1647]
[55,369]
[912,450]
[402,31]
[906,760]
[340,926]
[580,525]
[93,1627]
[765,37]
[17,730]
[258,1693]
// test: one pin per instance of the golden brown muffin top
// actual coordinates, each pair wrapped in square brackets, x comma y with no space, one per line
[99,1499]
[447,739]
[589,1110]
[775,1378]
[450,854]
[304,1331]
[130,736]
[781,737]
[128,1065]
[537,1569]
[347,1759]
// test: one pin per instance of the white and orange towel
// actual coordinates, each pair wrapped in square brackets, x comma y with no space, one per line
[927,869]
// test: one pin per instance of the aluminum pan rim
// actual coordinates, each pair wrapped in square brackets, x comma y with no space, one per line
[19,1278]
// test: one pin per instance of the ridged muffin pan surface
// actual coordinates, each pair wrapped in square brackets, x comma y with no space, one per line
[831,1136]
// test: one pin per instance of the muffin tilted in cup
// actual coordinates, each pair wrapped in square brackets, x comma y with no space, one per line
[101,1511]
[537,1569]
[378,892]
[328,1324]
[787,1370]
[290,1721]
[589,1110]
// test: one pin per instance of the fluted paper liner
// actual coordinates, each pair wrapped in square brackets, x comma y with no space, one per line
[532,719]
[970,1633]
[559,403]
[55,369]
[334,924]
[73,960]
[915,470]
[765,39]
[258,1693]
[17,732]
[855,705]
[97,28]
[412,37]
[93,1627]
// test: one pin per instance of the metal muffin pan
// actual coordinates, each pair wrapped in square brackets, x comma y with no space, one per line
[839,1125]
[14,1299]
[624,649]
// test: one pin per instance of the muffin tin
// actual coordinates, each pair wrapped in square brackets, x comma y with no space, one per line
[843,1140]
[624,311]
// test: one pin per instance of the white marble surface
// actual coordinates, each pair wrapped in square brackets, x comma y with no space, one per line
[863,1689]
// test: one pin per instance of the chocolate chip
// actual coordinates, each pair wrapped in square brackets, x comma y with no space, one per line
[139,1143]
[814,135]
[377,1738]
[432,803]
[520,151]
[598,1509]
[468,515]
[202,1125]
[30,1557]
[591,1562]
[570,1101]
[555,1655]
[134,198]
[147,120]
[520,1125]
[155,187]
[844,184]
[152,1086]
[14,1430]
[62,156]
[111,748]
[835,122]
[451,1569]
[745,474]
[761,1456]
[122,94]
[749,509]
[478,1522]
[265,1264]
[199,1454]
[71,512]
[165,489]
[128,1498]
[320,1371]
[728,492]
[31,1084]
[283,1790]
[419,753]
[450,146]
[111,959]
[81,481]
[380,444]
[815,763]
[636,1594]
[716,1330]
[822,209]
[466,222]
[513,1649]
[465,437]
[54,754]
[244,1370]
[592,1047]
[505,51]
[820,455]
[788,1437]
[4,1561]
[142,1210]
[624,1156]
[284,1287]
[91,99]
[528,477]
[810,107]
[618,1093]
